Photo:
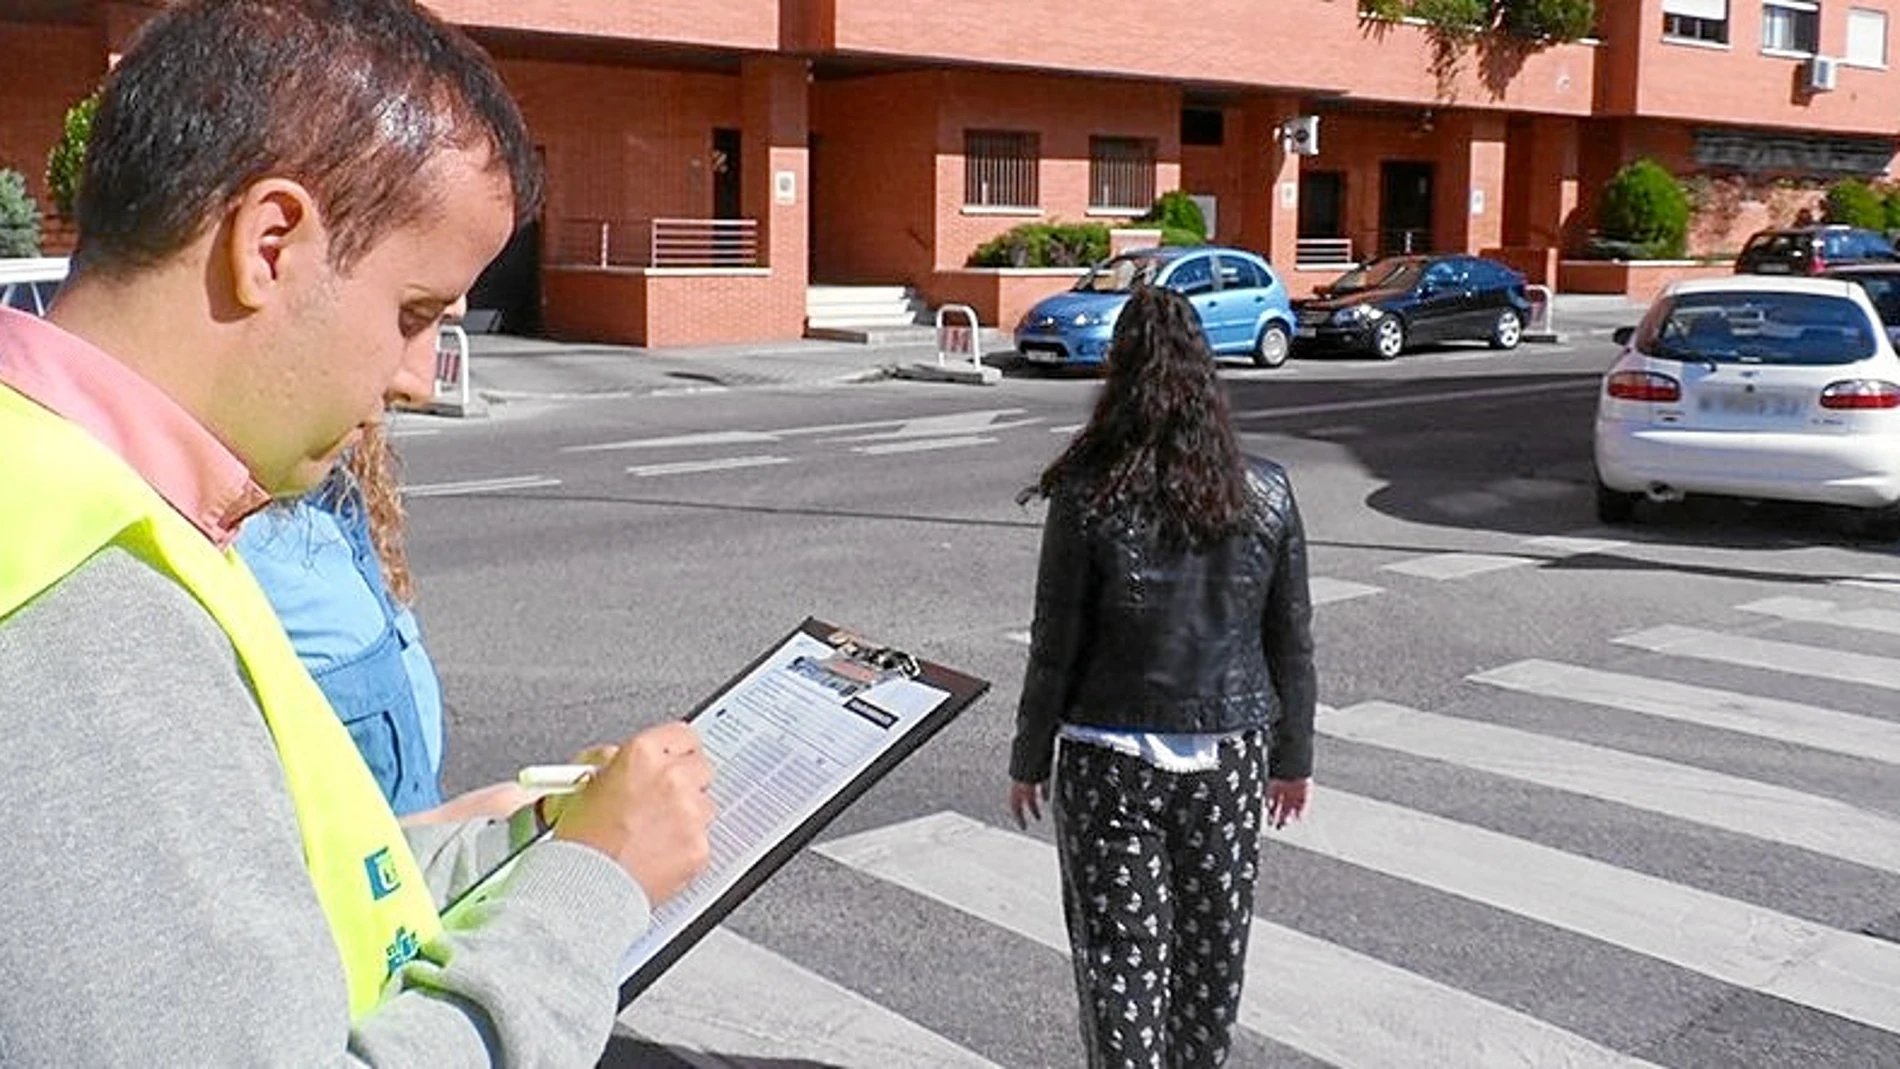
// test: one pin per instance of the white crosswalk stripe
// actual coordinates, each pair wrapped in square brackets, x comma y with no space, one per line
[1727,710]
[1812,610]
[1457,565]
[1730,803]
[1748,652]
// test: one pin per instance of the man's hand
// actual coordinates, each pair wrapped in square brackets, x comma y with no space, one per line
[1286,800]
[647,808]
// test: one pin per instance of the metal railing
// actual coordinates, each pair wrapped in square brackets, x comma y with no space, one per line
[1323,252]
[657,242]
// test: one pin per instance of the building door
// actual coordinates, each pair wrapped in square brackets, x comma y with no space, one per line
[728,194]
[1405,207]
[1323,238]
[506,296]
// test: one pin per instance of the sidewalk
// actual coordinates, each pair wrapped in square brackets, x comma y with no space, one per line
[507,368]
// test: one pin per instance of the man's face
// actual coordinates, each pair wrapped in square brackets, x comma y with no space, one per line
[355,342]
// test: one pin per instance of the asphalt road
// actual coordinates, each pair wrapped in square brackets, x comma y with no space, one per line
[1585,796]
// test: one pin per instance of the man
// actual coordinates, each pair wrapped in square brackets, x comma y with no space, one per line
[281,198]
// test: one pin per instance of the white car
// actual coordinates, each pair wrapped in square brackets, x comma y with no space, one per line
[1754,387]
[28,284]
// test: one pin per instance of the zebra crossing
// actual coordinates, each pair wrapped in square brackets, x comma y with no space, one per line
[1711,948]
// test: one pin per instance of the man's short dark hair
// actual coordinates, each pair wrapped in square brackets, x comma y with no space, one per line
[352,98]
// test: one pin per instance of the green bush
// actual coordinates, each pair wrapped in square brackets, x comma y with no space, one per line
[1644,205]
[1856,203]
[19,217]
[1890,205]
[1044,245]
[1548,20]
[1455,18]
[67,161]
[1179,218]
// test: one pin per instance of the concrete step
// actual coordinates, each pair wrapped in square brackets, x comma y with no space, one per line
[922,335]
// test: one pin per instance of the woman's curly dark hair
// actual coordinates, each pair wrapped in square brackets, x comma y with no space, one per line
[1159,448]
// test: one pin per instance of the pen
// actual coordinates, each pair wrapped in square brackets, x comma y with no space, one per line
[556,777]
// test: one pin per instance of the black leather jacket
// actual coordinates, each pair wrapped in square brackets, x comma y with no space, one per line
[1129,635]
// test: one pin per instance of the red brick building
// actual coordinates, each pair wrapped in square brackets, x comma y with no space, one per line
[712,160]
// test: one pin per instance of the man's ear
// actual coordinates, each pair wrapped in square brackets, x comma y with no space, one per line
[277,239]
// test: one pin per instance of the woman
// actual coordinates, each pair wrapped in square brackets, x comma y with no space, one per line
[1172,653]
[333,566]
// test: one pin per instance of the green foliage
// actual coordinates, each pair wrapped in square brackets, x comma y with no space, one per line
[1856,203]
[1548,20]
[19,217]
[67,161]
[1645,206]
[1179,218]
[1891,204]
[1552,21]
[1044,245]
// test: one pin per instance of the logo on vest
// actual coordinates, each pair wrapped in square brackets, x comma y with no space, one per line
[383,877]
[405,947]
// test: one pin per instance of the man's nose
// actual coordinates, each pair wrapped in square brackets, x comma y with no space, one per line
[414,383]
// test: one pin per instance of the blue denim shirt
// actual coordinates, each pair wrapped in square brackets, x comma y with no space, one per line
[318,567]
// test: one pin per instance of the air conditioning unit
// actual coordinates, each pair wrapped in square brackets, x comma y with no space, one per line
[1300,135]
[1821,73]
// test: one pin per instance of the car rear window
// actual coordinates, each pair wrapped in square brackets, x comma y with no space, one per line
[1747,327]
[1783,244]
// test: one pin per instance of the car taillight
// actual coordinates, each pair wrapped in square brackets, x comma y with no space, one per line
[1817,261]
[1643,386]
[1860,393]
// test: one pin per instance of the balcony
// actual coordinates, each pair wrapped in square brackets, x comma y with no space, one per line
[656,243]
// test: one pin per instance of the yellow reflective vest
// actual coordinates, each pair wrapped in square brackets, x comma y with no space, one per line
[66,496]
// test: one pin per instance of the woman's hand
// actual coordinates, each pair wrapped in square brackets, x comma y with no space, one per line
[1027,797]
[1286,800]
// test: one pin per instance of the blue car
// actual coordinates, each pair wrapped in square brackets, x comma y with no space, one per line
[1242,303]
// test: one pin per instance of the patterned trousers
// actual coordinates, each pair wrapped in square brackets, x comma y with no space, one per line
[1158,873]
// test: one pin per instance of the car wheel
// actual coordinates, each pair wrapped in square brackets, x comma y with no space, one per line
[1388,338]
[1272,347]
[1615,506]
[1508,331]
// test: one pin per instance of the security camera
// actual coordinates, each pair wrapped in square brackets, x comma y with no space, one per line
[1300,135]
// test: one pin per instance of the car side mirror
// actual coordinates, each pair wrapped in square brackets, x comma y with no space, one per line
[1622,335]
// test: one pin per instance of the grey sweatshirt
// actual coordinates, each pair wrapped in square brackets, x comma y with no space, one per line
[154,907]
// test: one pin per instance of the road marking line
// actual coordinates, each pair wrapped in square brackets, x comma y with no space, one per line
[920,446]
[735,998]
[1713,799]
[679,441]
[1418,399]
[1443,566]
[1570,545]
[478,486]
[1725,710]
[1021,638]
[690,467]
[1843,973]
[1335,1004]
[1836,665]
[1325,590]
[1888,581]
[413,432]
[1067,429]
[959,423]
[1809,610]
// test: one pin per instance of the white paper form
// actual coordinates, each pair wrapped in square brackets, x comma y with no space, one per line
[783,741]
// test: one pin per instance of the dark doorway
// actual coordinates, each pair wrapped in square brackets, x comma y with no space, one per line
[1322,204]
[728,193]
[1405,207]
[506,296]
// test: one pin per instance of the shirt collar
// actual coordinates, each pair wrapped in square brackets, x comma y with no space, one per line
[181,459]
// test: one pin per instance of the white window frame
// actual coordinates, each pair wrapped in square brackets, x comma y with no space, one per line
[1708,15]
[1857,18]
[1792,10]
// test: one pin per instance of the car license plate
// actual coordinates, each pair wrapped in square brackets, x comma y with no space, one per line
[1751,404]
[1305,332]
[1042,356]
[1772,269]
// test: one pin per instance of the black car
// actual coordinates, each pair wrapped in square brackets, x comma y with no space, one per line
[1882,283]
[1811,250]
[1390,305]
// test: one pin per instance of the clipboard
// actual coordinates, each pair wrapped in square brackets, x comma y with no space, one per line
[881,702]
[684,920]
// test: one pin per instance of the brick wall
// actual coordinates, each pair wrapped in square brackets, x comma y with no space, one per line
[872,178]
[748,24]
[44,70]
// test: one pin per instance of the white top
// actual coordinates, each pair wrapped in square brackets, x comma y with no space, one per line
[1183,751]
